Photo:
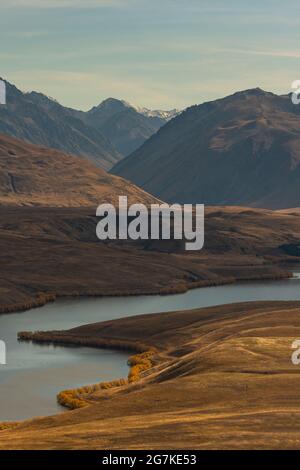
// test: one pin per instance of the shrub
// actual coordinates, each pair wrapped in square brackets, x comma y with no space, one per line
[140,363]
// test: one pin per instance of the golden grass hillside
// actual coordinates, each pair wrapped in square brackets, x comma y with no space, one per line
[224,380]
[31,175]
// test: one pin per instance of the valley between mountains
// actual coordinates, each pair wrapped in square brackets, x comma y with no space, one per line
[218,377]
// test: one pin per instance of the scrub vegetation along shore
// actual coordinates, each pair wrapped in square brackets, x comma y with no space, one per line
[81,397]
[146,357]
[56,251]
[224,379]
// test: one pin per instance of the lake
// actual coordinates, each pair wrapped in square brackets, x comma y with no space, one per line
[34,374]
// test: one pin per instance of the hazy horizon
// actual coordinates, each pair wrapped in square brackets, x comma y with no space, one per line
[136,105]
[165,55]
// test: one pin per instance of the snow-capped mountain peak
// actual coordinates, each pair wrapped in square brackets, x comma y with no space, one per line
[166,115]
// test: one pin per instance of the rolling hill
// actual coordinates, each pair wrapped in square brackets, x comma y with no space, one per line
[39,176]
[219,378]
[240,150]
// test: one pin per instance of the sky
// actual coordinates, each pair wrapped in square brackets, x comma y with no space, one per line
[160,54]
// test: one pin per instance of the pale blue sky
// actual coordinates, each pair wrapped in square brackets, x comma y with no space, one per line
[154,53]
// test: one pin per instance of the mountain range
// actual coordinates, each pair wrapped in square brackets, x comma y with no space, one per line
[104,135]
[123,125]
[243,149]
[158,113]
[240,150]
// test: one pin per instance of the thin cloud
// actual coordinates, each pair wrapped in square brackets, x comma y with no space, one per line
[282,54]
[92,88]
[26,34]
[64,3]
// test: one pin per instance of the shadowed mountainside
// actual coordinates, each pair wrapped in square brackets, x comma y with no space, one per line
[103,135]
[240,150]
[123,125]
[37,119]
[222,379]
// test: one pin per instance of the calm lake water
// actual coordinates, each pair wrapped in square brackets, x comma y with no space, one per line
[34,374]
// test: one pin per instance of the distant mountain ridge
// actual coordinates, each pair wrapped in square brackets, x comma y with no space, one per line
[37,119]
[122,124]
[243,149]
[103,135]
[159,113]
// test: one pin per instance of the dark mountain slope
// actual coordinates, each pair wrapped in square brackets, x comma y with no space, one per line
[104,135]
[37,119]
[240,150]
[123,125]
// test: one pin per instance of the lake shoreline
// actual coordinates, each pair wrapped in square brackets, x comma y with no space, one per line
[181,288]
[69,315]
[190,387]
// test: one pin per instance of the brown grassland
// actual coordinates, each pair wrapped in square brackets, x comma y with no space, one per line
[221,378]
[47,253]
[48,244]
[209,378]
